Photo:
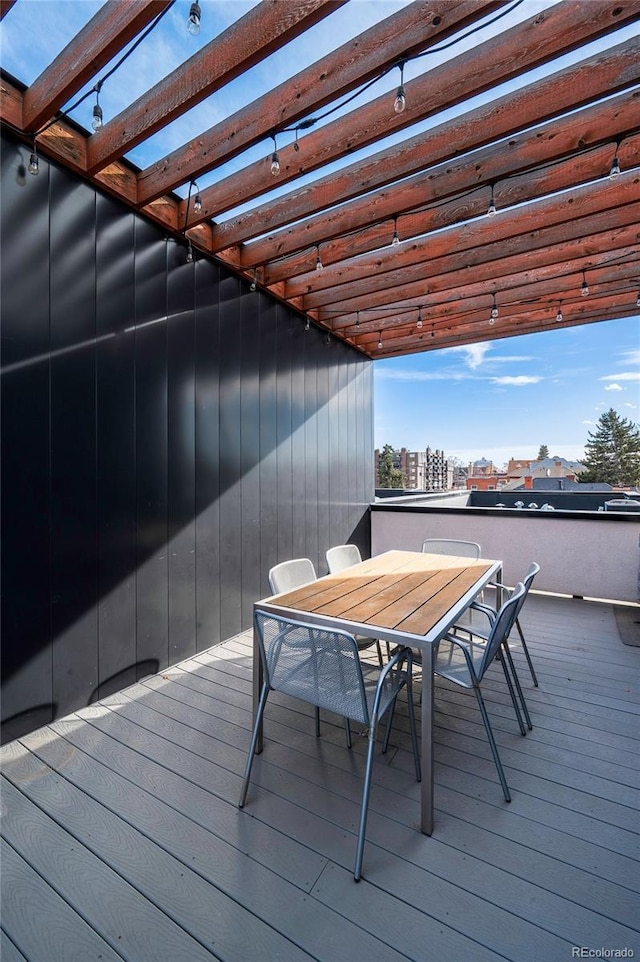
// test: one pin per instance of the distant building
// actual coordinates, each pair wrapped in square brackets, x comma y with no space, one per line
[524,477]
[424,470]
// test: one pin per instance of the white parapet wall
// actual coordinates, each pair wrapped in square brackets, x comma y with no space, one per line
[579,554]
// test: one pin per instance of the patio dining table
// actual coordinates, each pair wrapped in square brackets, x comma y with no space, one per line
[401,597]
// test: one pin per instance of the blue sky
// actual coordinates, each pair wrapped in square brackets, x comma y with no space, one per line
[504,398]
[498,399]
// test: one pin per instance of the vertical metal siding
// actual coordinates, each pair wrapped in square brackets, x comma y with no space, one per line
[167,436]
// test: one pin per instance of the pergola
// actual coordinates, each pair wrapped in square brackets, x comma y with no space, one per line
[396,251]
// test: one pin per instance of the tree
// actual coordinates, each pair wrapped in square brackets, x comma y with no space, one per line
[612,451]
[388,475]
[543,452]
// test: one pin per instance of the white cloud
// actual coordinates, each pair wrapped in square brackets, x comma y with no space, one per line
[630,357]
[404,375]
[517,381]
[614,387]
[628,404]
[625,376]
[473,354]
[589,422]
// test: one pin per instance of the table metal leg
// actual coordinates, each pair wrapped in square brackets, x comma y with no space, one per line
[257,685]
[426,785]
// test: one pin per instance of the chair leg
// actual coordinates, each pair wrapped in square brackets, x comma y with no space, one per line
[379,650]
[516,707]
[317,713]
[492,743]
[518,686]
[252,747]
[366,792]
[534,677]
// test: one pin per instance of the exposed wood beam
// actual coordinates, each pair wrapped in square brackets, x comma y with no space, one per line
[112,27]
[335,75]
[568,89]
[573,136]
[5,7]
[522,227]
[265,28]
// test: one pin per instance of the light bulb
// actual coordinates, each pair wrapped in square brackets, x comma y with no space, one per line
[492,320]
[395,240]
[319,264]
[275,163]
[419,321]
[379,343]
[34,164]
[492,210]
[193,23]
[494,310]
[584,289]
[197,204]
[615,168]
[638,300]
[189,254]
[401,101]
[307,324]
[96,123]
[559,315]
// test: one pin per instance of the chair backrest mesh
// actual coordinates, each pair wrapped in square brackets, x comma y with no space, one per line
[314,664]
[466,549]
[527,581]
[343,556]
[501,627]
[291,574]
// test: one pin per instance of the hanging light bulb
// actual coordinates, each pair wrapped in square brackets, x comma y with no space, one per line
[638,300]
[494,311]
[96,123]
[395,240]
[584,287]
[34,163]
[401,101]
[193,21]
[492,209]
[253,286]
[358,317]
[433,333]
[197,203]
[275,163]
[615,164]
[319,264]
[380,341]
[559,315]
[419,321]
[189,253]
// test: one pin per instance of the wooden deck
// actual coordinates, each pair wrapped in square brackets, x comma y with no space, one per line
[122,839]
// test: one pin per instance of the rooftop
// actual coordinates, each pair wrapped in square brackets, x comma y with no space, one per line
[121,826]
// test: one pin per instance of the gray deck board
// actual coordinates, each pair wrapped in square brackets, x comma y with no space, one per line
[122,837]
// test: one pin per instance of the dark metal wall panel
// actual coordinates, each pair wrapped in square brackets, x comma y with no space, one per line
[73,440]
[250,451]
[115,447]
[25,477]
[230,293]
[167,436]
[207,455]
[152,569]
[268,464]
[181,453]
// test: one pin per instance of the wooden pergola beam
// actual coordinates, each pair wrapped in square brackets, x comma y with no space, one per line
[112,27]
[521,229]
[599,76]
[290,251]
[335,75]
[265,28]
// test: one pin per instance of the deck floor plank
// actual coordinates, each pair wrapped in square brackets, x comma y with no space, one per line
[135,799]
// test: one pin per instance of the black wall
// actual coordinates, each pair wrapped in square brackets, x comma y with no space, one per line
[167,436]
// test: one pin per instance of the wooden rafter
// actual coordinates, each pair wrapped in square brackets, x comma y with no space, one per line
[543,150]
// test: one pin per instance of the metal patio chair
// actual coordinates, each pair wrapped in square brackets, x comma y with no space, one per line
[343,556]
[466,549]
[322,668]
[465,663]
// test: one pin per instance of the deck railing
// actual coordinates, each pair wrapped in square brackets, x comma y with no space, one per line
[585,554]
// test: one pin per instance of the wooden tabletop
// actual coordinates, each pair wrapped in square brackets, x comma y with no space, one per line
[400,590]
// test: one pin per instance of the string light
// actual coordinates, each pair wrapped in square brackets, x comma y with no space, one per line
[494,311]
[401,101]
[559,315]
[34,163]
[433,333]
[253,286]
[638,300]
[395,240]
[419,321]
[96,122]
[197,201]
[307,324]
[193,21]
[584,287]
[492,209]
[615,164]
[380,341]
[358,317]
[275,160]
[319,264]
[189,253]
